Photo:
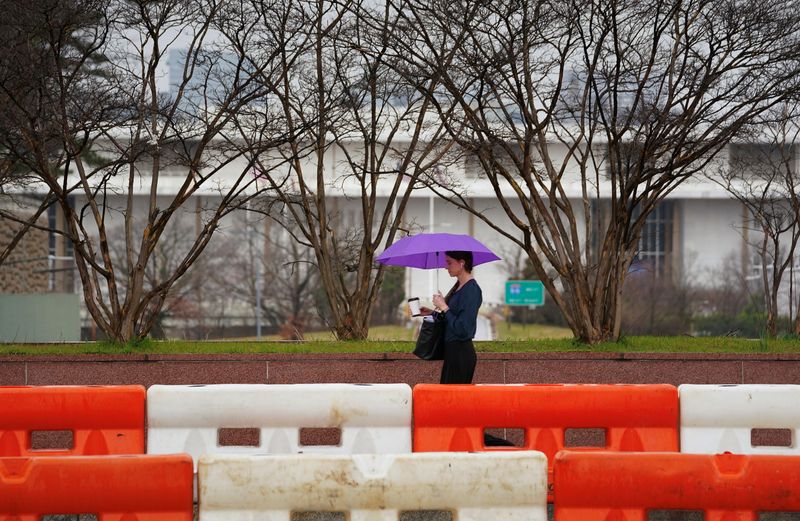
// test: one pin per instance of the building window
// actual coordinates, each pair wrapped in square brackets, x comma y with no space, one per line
[654,250]
[655,242]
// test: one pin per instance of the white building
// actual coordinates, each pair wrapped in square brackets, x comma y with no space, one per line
[691,236]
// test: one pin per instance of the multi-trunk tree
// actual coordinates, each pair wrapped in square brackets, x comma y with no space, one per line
[762,174]
[572,106]
[363,132]
[120,157]
[564,107]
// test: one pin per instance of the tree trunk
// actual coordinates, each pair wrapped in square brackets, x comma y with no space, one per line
[350,328]
[771,329]
[591,298]
[591,325]
[353,322]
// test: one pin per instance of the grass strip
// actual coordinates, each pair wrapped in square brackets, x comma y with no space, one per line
[642,344]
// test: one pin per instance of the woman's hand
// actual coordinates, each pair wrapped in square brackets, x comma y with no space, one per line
[438,301]
[425,311]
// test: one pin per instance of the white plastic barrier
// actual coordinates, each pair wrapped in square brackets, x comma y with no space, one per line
[371,418]
[720,418]
[490,486]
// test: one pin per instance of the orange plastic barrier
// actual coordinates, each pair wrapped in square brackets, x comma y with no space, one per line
[114,488]
[102,420]
[618,486]
[632,417]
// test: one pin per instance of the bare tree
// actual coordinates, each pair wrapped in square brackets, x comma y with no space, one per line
[762,174]
[189,298]
[654,305]
[269,262]
[101,133]
[728,305]
[566,103]
[46,44]
[365,134]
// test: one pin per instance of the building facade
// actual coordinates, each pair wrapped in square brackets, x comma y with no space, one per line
[692,236]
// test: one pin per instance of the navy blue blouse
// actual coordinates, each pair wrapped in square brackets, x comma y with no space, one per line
[462,315]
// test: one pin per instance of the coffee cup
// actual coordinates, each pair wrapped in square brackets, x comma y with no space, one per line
[413,305]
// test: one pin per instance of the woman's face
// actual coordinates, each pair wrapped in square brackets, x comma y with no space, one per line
[454,267]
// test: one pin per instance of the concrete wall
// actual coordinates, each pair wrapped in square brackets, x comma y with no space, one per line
[634,368]
[43,317]
[712,233]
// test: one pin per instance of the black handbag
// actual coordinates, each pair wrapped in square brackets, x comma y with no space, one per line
[430,342]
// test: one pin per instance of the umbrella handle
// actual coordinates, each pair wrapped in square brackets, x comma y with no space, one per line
[437,273]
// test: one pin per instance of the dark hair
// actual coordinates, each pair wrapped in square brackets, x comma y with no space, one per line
[465,256]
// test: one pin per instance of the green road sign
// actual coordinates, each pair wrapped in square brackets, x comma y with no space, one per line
[524,293]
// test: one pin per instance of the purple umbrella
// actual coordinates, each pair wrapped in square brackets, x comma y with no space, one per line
[426,250]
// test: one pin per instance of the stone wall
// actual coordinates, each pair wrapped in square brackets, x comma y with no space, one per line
[577,367]
[25,271]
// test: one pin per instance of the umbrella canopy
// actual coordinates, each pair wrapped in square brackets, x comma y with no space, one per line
[426,250]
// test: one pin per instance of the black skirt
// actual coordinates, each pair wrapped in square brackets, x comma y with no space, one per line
[459,362]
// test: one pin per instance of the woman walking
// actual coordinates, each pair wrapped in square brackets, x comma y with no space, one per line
[459,308]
